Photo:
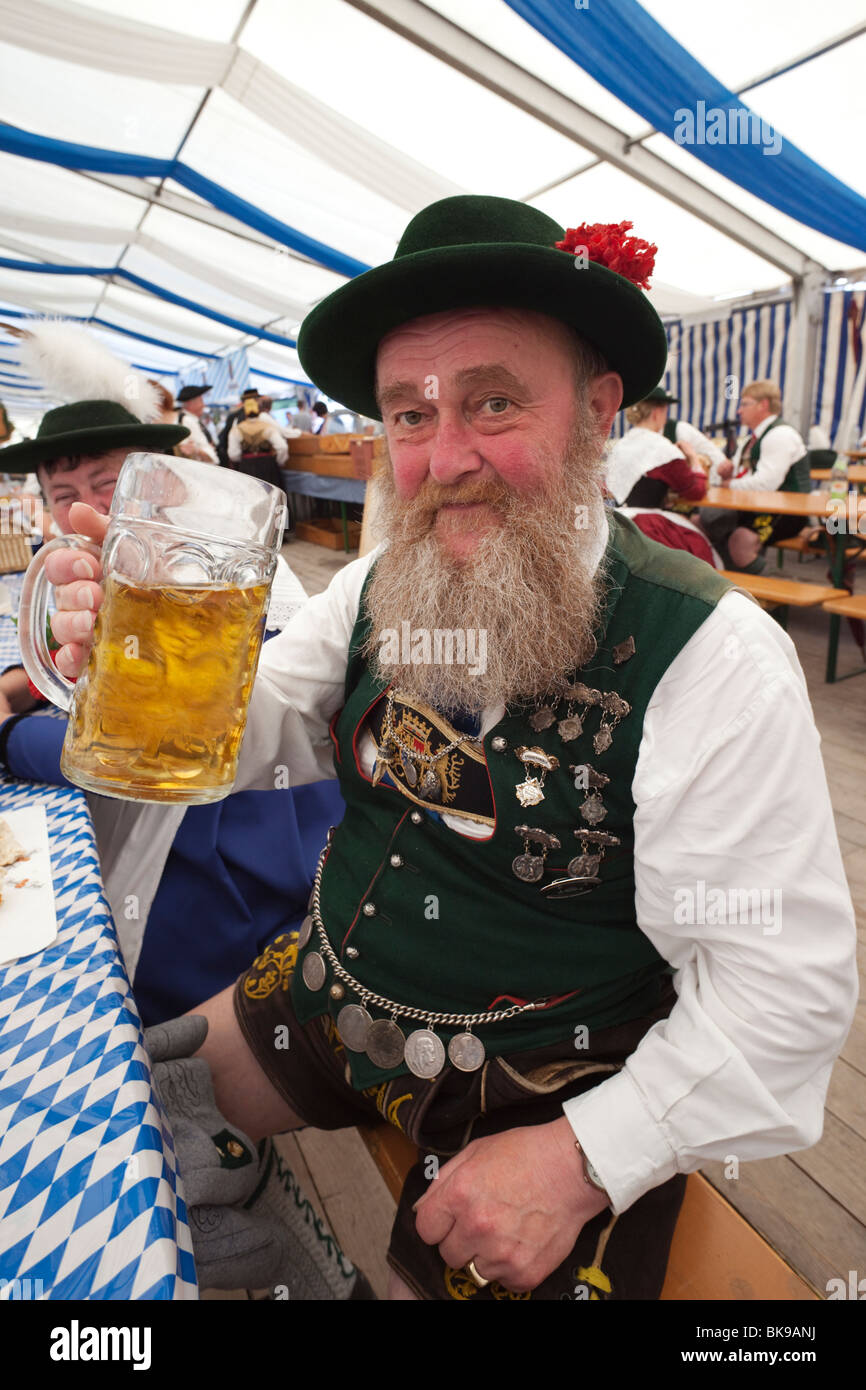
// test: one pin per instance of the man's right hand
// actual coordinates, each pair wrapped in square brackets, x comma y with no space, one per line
[76,576]
[725,469]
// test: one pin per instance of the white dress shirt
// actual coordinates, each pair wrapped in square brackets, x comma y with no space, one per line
[778,451]
[198,437]
[731,794]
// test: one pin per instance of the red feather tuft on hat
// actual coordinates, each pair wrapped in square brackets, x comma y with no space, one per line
[608,244]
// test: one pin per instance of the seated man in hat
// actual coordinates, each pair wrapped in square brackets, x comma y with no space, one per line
[532,943]
[245,862]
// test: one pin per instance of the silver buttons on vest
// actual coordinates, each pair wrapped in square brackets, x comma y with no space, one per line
[499,744]
[352,952]
[396,861]
[369,909]
[336,991]
[416,817]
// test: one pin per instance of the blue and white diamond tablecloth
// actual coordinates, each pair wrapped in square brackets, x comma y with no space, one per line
[91,1203]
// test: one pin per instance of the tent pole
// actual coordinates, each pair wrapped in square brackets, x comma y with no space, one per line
[806,323]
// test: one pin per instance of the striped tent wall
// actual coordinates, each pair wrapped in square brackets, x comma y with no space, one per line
[228,377]
[837,365]
[710,361]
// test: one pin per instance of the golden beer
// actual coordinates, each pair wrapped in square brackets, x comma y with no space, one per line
[160,711]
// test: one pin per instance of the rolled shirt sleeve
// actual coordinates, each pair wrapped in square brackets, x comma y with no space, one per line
[740,886]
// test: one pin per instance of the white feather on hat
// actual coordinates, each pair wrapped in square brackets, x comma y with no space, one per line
[72,365]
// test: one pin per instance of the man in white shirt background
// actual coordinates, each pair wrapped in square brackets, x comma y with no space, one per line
[190,401]
[472,890]
[770,458]
[760,411]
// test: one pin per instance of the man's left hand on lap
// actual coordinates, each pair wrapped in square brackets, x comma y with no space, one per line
[514,1203]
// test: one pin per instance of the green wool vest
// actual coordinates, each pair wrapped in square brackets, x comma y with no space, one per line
[670,430]
[453,929]
[798,477]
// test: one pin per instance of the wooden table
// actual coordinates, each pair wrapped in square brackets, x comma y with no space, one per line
[804,504]
[856,473]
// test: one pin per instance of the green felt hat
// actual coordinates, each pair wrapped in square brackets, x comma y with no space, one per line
[87,427]
[467,251]
[659,396]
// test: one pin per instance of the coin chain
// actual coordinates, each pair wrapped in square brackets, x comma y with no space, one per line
[388,1005]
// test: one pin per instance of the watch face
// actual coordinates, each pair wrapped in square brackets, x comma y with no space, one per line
[592,1174]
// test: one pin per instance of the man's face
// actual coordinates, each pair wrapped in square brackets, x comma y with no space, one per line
[477,401]
[195,406]
[752,411]
[93,481]
[492,507]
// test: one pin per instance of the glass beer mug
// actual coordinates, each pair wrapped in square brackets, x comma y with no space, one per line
[159,712]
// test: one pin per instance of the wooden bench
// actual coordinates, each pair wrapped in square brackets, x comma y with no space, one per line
[804,545]
[847,606]
[782,594]
[715,1254]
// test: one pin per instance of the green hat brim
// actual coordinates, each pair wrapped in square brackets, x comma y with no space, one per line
[26,457]
[339,338]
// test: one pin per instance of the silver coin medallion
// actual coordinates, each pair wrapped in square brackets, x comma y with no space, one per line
[529,793]
[305,932]
[529,868]
[584,865]
[466,1052]
[570,728]
[410,772]
[593,809]
[430,787]
[542,719]
[603,739]
[385,1044]
[313,971]
[353,1025]
[424,1053]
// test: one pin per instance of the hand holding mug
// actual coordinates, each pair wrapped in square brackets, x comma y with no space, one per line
[160,614]
[78,595]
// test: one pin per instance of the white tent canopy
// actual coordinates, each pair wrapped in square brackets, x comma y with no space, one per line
[324,117]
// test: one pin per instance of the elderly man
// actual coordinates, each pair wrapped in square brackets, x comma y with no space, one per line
[563,753]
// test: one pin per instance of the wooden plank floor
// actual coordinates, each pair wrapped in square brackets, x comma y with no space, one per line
[810,1206]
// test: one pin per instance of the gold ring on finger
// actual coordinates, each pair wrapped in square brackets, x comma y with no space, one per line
[477,1279]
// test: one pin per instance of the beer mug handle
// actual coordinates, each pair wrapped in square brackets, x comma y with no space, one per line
[32,627]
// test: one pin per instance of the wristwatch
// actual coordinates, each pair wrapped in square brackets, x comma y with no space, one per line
[590,1174]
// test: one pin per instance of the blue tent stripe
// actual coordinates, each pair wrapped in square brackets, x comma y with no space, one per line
[45,268]
[702,410]
[633,56]
[28,145]
[840,367]
[714,329]
[783,364]
[771,338]
[116,328]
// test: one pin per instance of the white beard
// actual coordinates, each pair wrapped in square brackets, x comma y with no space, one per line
[523,607]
